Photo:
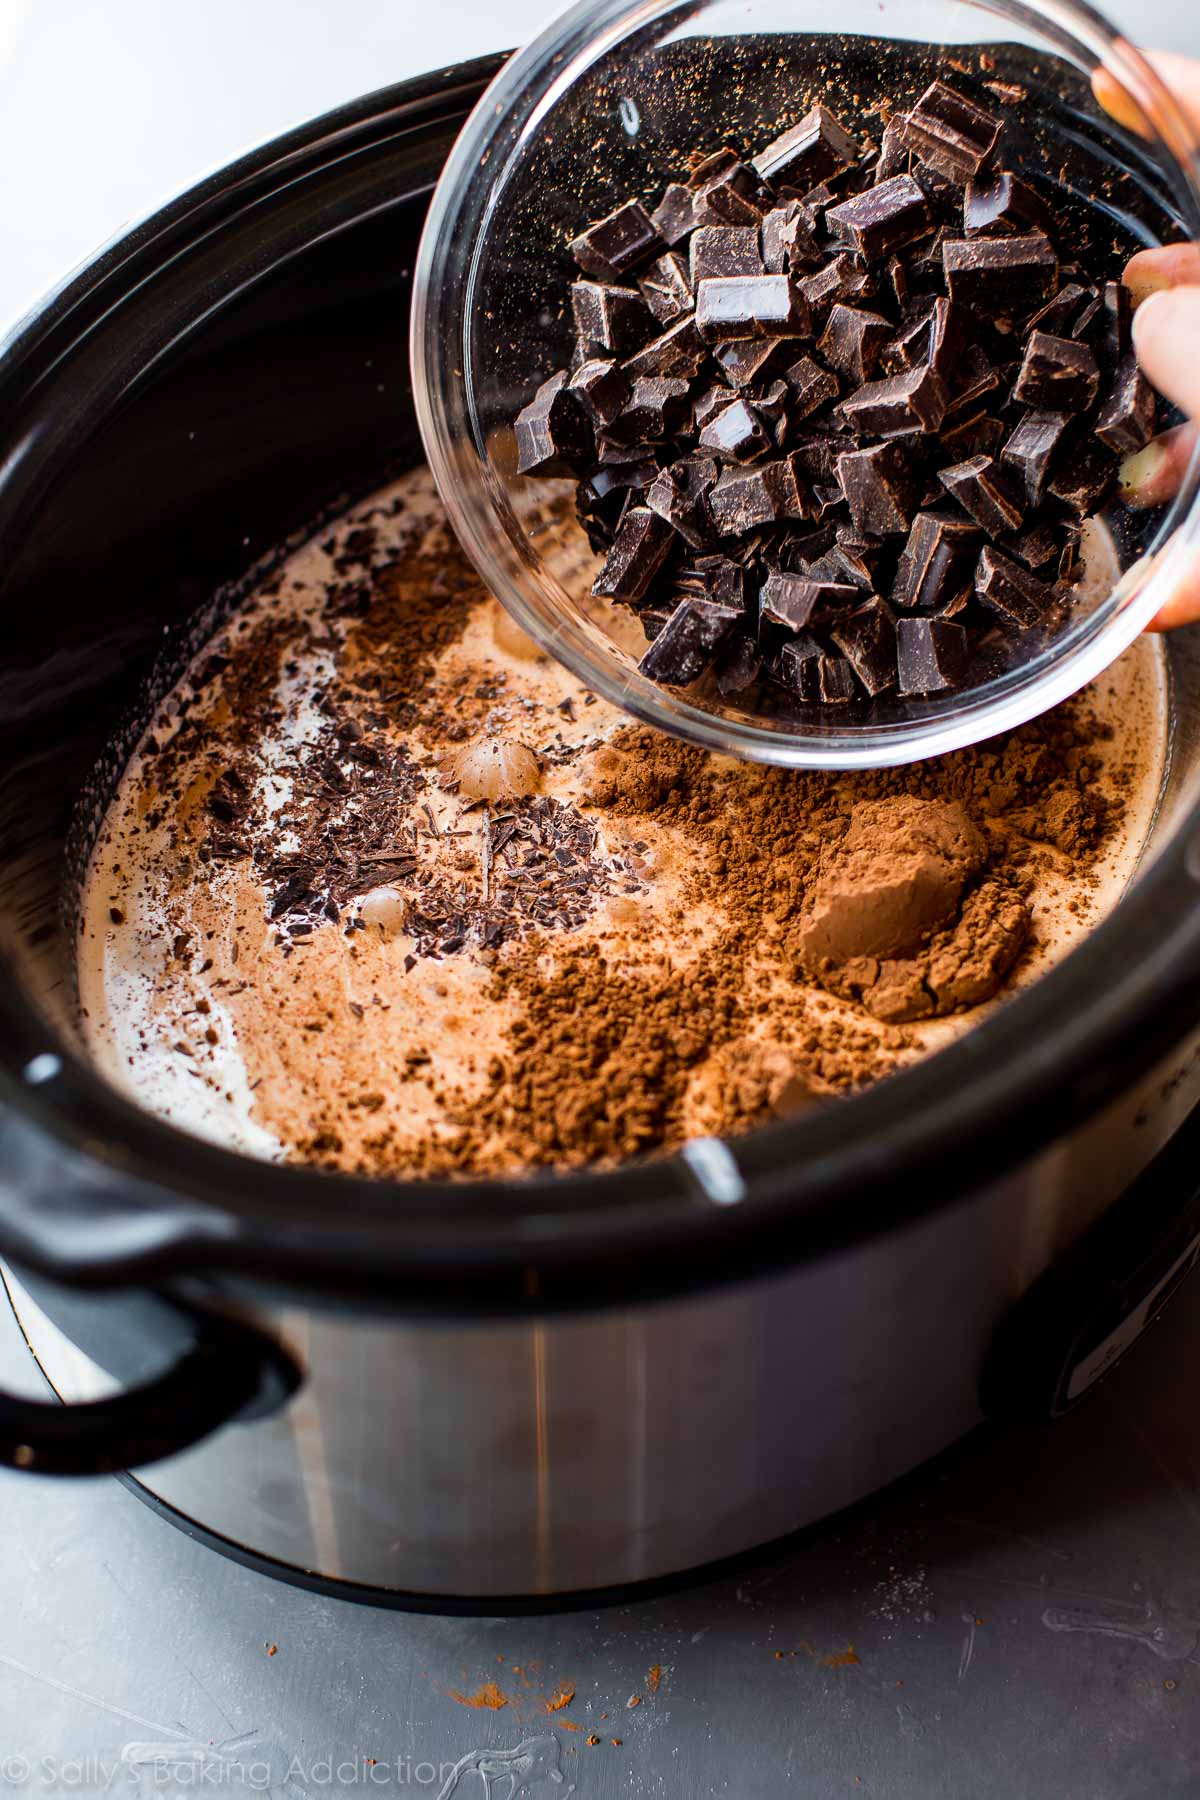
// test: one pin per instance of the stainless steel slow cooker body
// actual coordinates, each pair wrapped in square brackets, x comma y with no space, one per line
[490,1393]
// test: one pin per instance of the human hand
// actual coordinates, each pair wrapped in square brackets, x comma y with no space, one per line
[1165,285]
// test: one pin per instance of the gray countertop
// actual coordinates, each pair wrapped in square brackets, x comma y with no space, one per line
[1019,1620]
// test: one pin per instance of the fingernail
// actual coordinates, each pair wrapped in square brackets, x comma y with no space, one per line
[1141,470]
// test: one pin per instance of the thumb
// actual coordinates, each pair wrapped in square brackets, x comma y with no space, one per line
[1166,336]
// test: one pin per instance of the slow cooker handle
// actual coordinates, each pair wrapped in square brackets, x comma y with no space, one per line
[230,1372]
[1080,1318]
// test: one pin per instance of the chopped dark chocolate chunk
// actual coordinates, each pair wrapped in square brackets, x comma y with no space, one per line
[688,642]
[673,217]
[678,351]
[852,341]
[641,547]
[840,279]
[1001,201]
[615,319]
[789,603]
[812,387]
[1018,597]
[738,665]
[615,246]
[736,434]
[745,498]
[1057,375]
[807,153]
[1031,449]
[603,388]
[936,562]
[1057,314]
[879,486]
[899,404]
[666,289]
[746,360]
[1126,419]
[734,196]
[981,490]
[719,250]
[553,434]
[949,132]
[764,306]
[788,244]
[677,494]
[1000,275]
[931,655]
[867,639]
[1085,480]
[881,218]
[837,380]
[658,407]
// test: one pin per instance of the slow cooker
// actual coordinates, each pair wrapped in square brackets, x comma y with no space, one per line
[489,1394]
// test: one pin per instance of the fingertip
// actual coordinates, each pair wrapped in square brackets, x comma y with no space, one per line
[1166,331]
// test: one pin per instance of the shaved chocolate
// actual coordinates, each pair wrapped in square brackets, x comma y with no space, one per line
[807,153]
[641,547]
[688,642]
[1007,589]
[976,378]
[615,319]
[949,132]
[981,490]
[867,639]
[719,250]
[1001,201]
[678,351]
[1035,548]
[936,562]
[931,655]
[602,387]
[812,387]
[881,218]
[615,246]
[913,401]
[1000,275]
[666,289]
[1126,419]
[553,435]
[736,434]
[879,486]
[1057,374]
[1031,449]
[852,342]
[764,306]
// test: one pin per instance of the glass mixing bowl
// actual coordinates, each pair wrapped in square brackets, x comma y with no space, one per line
[609,103]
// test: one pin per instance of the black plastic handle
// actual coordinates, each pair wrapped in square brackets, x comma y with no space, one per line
[231,1372]
[1080,1318]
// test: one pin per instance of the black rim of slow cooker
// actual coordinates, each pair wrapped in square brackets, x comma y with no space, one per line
[920,1140]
